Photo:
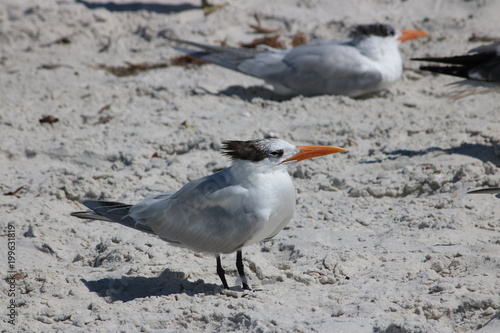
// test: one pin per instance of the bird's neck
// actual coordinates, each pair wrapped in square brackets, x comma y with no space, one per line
[377,48]
[385,54]
[244,171]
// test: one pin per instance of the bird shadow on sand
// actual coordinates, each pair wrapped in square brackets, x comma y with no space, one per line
[482,152]
[128,288]
[136,6]
[249,93]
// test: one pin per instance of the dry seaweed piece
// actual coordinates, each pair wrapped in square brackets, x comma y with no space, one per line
[48,119]
[53,66]
[104,119]
[14,193]
[299,38]
[104,108]
[259,28]
[427,166]
[186,124]
[187,60]
[62,40]
[483,38]
[208,8]
[272,41]
[131,69]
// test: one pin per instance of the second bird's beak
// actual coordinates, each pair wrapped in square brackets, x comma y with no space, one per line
[411,34]
[313,151]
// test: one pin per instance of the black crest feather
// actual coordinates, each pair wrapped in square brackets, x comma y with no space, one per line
[377,29]
[251,150]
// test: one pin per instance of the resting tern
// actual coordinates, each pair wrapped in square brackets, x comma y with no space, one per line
[481,64]
[368,63]
[248,202]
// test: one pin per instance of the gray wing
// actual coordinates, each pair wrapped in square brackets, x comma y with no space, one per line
[328,67]
[207,215]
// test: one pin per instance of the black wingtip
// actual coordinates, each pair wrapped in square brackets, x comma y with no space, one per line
[88,215]
[468,60]
[448,70]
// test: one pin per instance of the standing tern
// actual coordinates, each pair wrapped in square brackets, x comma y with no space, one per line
[369,62]
[248,202]
[481,64]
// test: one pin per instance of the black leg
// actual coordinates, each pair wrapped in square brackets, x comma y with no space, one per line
[221,272]
[240,267]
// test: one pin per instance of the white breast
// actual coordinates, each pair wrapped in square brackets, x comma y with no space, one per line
[272,195]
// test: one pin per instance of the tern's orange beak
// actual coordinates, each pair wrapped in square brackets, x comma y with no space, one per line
[313,151]
[411,34]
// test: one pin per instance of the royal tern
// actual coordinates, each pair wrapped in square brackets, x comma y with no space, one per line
[368,63]
[248,202]
[481,64]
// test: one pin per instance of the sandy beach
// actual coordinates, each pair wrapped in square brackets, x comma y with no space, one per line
[384,237]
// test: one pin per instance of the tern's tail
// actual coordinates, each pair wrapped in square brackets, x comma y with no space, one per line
[111,212]
[225,56]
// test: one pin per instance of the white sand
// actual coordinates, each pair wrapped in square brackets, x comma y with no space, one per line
[384,238]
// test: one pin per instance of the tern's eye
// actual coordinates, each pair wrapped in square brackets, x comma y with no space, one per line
[277,153]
